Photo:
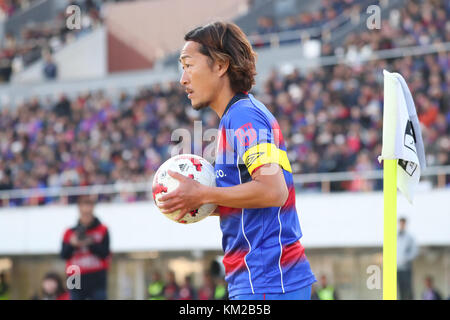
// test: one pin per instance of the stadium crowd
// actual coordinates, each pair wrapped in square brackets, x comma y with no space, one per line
[328,10]
[331,118]
[418,22]
[9,7]
[37,40]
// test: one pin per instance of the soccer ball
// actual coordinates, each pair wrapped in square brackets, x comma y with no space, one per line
[191,166]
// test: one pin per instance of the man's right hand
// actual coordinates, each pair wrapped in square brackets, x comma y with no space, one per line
[74,241]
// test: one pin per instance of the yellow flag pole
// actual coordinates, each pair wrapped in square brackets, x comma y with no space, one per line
[390,230]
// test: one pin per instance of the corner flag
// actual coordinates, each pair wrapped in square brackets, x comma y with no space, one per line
[403,158]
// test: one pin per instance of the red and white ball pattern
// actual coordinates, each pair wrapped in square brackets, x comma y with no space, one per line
[189,165]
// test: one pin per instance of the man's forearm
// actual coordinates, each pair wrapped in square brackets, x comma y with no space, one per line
[253,194]
[266,189]
[67,251]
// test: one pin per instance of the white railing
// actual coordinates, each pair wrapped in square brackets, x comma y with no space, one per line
[387,54]
[325,179]
[322,179]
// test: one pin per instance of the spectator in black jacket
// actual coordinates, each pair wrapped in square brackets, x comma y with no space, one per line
[4,287]
[86,247]
[50,69]
[171,290]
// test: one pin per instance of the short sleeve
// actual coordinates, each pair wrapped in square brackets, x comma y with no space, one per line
[252,136]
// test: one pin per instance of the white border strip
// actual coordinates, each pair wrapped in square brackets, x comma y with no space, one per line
[243,231]
[281,252]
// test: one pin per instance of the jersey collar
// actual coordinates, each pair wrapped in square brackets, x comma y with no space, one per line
[238,96]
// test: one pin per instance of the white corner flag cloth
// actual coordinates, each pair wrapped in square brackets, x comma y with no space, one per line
[402,137]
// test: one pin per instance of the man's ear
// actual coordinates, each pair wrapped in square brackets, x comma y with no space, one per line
[222,67]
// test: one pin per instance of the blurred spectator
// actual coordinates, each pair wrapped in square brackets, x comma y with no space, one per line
[187,290]
[31,42]
[63,108]
[52,288]
[87,246]
[10,7]
[220,289]
[326,291]
[217,274]
[50,69]
[4,287]
[206,291]
[430,292]
[266,25]
[171,289]
[314,295]
[156,287]
[406,253]
[7,54]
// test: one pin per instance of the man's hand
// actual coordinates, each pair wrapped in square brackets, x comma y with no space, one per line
[87,241]
[187,197]
[74,241]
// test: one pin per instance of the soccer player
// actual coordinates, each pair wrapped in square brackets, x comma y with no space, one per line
[255,194]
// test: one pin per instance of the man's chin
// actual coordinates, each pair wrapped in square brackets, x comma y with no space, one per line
[199,106]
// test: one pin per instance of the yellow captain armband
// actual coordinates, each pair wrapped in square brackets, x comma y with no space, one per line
[265,153]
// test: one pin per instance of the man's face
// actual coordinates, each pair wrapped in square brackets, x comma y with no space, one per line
[402,225]
[86,208]
[323,281]
[199,78]
[156,277]
[49,286]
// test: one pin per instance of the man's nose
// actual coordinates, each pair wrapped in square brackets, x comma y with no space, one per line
[184,79]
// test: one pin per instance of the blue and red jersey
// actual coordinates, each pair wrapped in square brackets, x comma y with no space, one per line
[263,253]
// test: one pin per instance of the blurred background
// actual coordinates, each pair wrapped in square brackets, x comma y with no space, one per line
[88,104]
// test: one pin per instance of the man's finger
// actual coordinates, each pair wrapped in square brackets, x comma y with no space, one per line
[168,196]
[182,214]
[172,209]
[176,175]
[169,204]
